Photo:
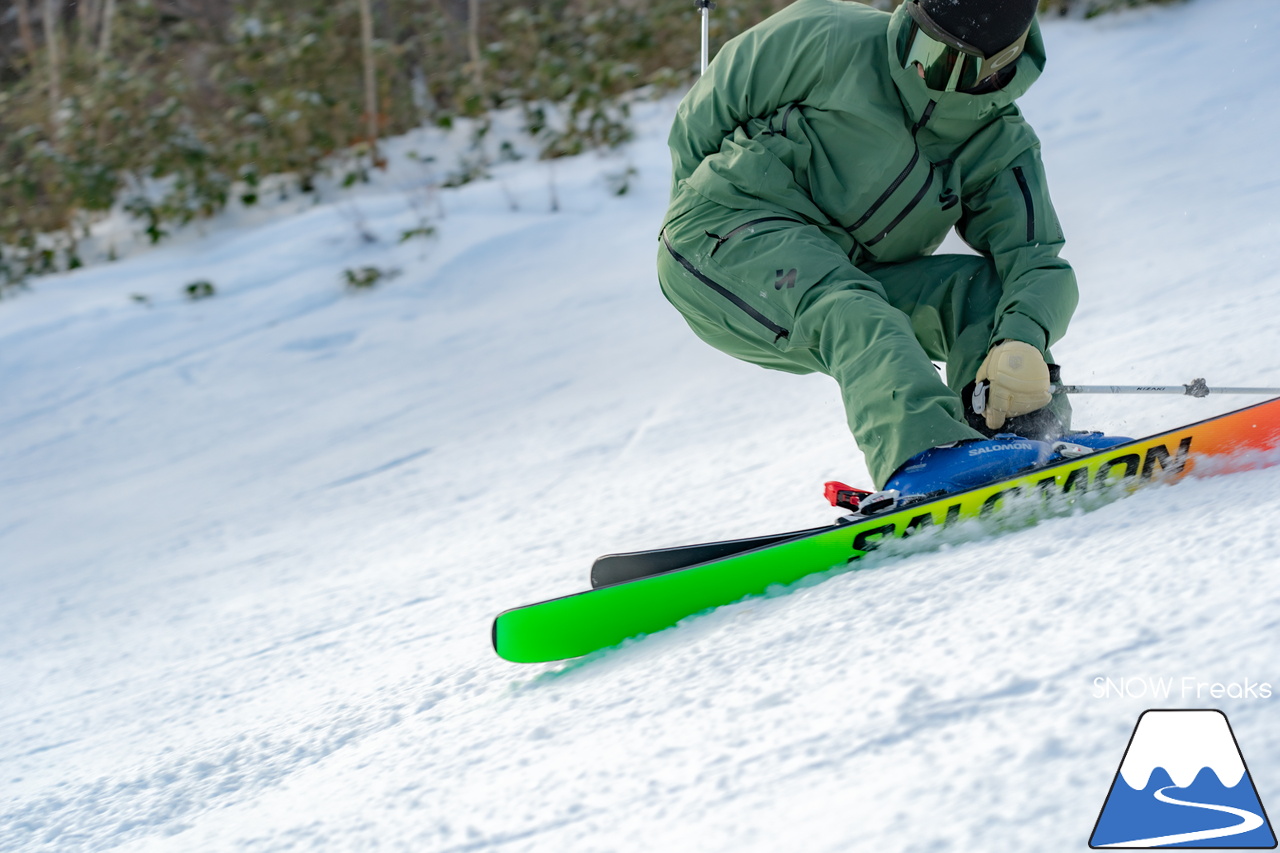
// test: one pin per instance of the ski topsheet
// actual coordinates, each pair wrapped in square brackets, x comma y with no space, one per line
[575,625]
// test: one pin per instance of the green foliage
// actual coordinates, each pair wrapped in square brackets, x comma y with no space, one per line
[197,290]
[366,278]
[422,231]
[574,80]
[197,104]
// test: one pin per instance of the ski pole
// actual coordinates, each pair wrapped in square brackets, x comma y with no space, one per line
[1194,388]
[704,9]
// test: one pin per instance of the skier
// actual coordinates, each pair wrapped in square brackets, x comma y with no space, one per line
[818,164]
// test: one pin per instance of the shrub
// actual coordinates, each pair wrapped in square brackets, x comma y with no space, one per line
[193,104]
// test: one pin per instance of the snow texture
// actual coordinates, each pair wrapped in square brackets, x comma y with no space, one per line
[251,545]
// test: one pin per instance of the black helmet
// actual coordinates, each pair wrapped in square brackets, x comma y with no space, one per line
[963,44]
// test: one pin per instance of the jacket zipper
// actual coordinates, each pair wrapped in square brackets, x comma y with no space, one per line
[720,240]
[897,182]
[1026,197]
[906,211]
[778,332]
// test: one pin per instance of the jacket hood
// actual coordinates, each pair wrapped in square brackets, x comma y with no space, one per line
[958,106]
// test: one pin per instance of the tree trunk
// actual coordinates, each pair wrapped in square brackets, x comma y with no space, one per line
[370,79]
[24,32]
[104,34]
[86,18]
[473,47]
[55,59]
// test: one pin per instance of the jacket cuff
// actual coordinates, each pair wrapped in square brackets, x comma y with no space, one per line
[1019,327]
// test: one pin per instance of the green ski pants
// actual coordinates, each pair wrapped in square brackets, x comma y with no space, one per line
[770,289]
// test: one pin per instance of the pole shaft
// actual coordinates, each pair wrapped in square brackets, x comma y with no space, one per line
[1157,389]
[704,10]
[706,30]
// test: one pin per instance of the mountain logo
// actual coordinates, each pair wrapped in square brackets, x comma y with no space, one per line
[1183,783]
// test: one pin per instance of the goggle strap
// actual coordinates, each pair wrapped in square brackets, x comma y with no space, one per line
[992,64]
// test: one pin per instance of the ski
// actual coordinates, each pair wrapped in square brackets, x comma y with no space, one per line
[620,568]
[577,624]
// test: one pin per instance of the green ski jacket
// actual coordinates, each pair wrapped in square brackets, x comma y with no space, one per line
[812,114]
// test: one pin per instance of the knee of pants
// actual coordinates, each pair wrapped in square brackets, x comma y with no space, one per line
[981,296]
[852,317]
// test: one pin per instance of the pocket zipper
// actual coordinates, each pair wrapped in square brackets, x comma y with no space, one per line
[720,240]
[778,331]
[1026,197]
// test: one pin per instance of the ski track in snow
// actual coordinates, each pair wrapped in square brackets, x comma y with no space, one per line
[251,545]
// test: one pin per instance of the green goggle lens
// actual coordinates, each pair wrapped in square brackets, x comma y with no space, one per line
[950,65]
[945,68]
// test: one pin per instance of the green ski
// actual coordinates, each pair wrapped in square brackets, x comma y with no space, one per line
[578,624]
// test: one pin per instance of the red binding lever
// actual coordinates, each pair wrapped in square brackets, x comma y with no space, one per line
[842,495]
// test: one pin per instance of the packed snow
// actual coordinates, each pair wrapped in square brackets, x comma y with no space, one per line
[251,545]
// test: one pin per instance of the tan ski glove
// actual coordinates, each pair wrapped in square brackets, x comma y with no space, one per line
[1019,381]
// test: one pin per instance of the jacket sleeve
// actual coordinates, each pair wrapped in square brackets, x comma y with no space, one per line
[1011,219]
[752,76]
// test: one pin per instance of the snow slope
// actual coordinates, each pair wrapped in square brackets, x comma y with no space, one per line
[250,546]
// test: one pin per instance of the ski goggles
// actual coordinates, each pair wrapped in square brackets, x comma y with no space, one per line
[951,65]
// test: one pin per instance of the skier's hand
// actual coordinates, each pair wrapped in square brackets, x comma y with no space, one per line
[1019,381]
